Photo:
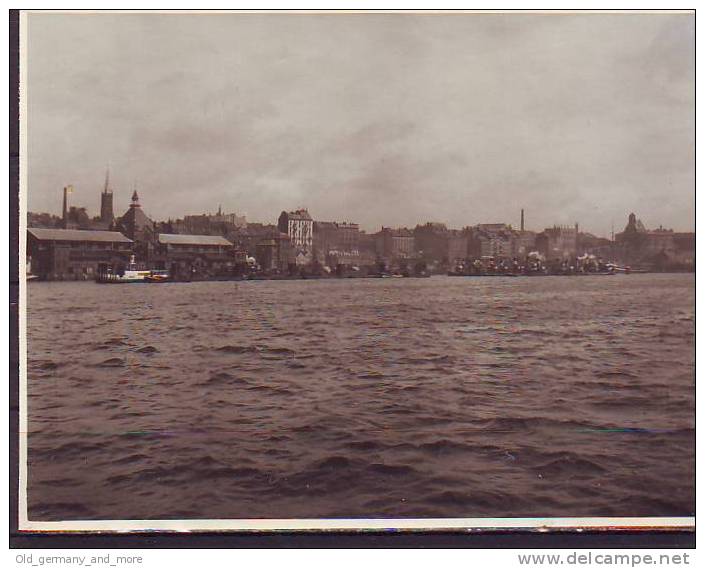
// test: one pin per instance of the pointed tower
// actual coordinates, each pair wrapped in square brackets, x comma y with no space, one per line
[106,201]
[135,224]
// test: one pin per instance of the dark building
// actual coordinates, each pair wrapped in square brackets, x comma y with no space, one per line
[134,223]
[349,236]
[367,243]
[193,255]
[139,228]
[658,249]
[458,245]
[431,242]
[68,254]
[274,255]
[331,237]
[558,242]
[524,244]
[394,244]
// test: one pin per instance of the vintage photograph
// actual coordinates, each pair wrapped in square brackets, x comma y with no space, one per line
[411,266]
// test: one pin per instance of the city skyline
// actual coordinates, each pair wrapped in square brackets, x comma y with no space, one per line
[520,224]
[378,119]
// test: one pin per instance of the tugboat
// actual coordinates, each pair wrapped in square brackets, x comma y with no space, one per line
[107,275]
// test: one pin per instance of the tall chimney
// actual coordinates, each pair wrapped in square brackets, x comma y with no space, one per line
[522,220]
[64,208]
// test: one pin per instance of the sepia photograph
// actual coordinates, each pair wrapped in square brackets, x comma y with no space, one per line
[348,270]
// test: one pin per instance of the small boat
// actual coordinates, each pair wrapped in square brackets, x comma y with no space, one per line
[156,276]
[131,275]
[125,277]
[626,269]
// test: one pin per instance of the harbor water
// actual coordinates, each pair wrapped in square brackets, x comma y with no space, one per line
[436,397]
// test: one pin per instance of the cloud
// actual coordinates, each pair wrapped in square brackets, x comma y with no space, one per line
[376,118]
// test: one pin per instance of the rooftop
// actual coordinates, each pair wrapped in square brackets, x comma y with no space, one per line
[400,232]
[299,214]
[202,240]
[78,235]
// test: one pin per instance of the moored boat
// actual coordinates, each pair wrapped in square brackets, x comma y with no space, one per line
[156,276]
[128,275]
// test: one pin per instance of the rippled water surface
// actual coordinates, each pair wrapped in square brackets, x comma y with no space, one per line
[441,397]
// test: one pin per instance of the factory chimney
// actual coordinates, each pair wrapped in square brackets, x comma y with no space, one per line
[64,209]
[522,220]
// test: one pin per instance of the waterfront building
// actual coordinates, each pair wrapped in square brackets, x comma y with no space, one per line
[495,240]
[71,254]
[558,242]
[524,243]
[366,243]
[658,249]
[298,225]
[348,236]
[334,238]
[193,255]
[325,239]
[394,244]
[274,255]
[458,245]
[431,242]
[356,258]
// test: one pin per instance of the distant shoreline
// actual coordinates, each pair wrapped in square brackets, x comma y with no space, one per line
[336,278]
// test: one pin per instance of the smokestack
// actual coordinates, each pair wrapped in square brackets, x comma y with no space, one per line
[64,208]
[522,220]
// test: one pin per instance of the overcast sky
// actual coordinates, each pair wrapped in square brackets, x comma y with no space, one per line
[379,119]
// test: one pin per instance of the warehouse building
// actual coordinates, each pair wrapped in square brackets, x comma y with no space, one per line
[71,254]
